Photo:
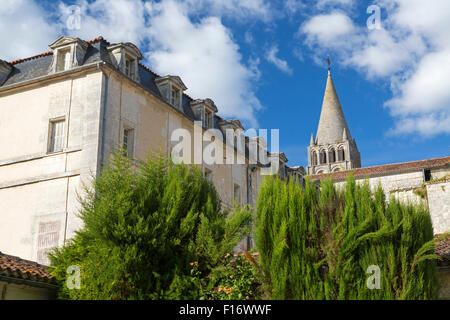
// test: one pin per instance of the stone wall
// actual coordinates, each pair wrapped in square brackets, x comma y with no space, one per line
[38,189]
[444,276]
[400,186]
[438,194]
[404,186]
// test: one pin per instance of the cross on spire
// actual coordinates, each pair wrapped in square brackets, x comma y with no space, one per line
[329,62]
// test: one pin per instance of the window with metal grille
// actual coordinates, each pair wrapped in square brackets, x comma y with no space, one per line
[128,143]
[56,141]
[48,238]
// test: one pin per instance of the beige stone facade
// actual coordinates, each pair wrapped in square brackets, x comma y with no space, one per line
[63,113]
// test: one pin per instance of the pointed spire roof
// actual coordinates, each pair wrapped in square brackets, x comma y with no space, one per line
[332,121]
[312,142]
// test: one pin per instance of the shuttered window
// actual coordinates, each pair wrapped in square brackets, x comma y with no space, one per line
[48,238]
[56,142]
[63,60]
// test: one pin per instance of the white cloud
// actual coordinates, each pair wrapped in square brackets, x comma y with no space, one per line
[25,29]
[237,9]
[204,53]
[411,50]
[329,30]
[321,4]
[116,21]
[294,6]
[281,64]
[205,56]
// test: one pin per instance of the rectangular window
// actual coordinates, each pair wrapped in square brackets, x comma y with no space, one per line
[427,175]
[63,62]
[56,135]
[129,68]
[128,142]
[237,193]
[208,120]
[48,238]
[175,98]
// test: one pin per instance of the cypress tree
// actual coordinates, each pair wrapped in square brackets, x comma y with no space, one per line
[321,244]
[145,226]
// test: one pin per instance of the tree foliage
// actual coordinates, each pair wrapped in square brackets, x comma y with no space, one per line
[144,227]
[320,245]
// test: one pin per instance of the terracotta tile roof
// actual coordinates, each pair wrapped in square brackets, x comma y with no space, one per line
[387,168]
[31,58]
[51,52]
[18,268]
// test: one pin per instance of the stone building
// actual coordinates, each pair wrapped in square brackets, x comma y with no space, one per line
[62,114]
[334,153]
[333,149]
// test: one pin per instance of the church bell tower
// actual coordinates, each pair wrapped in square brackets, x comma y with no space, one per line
[333,149]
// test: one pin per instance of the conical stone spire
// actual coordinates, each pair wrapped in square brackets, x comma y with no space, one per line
[332,121]
[333,142]
[312,142]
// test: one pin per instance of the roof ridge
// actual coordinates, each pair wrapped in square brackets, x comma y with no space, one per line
[405,162]
[364,169]
[47,53]
[157,75]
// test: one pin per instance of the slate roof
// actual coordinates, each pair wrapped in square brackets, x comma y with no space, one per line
[39,66]
[15,267]
[386,169]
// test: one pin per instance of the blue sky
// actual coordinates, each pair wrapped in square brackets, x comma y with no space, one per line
[264,62]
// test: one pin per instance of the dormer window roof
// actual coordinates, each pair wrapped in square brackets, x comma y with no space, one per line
[125,57]
[68,53]
[171,88]
[204,110]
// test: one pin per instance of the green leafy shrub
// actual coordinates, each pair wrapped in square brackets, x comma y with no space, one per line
[143,227]
[320,245]
[236,278]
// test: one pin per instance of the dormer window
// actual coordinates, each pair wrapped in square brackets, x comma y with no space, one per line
[171,88]
[125,57]
[204,111]
[63,60]
[175,98]
[69,53]
[130,66]
[207,123]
